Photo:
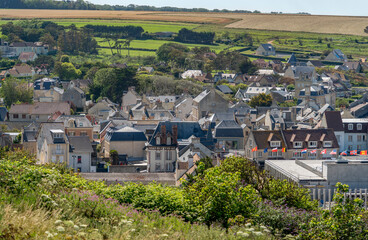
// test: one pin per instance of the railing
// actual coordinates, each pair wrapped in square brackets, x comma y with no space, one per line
[325,196]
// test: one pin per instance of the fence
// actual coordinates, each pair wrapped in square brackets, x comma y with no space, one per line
[325,196]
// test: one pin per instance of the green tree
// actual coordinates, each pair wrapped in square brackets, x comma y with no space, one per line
[114,157]
[247,67]
[14,91]
[261,100]
[67,71]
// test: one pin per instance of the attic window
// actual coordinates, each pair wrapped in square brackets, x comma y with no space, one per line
[312,143]
[359,126]
[275,144]
[327,144]
[350,126]
[298,144]
[158,141]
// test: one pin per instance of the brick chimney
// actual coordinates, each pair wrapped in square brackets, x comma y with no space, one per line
[163,134]
[175,134]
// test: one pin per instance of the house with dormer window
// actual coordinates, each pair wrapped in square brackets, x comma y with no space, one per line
[52,144]
[169,139]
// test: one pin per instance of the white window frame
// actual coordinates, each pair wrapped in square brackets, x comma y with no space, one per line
[298,144]
[260,154]
[157,153]
[359,126]
[327,144]
[297,154]
[312,144]
[275,143]
[350,126]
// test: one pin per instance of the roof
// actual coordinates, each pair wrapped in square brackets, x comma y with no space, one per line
[224,89]
[3,113]
[23,44]
[40,108]
[263,138]
[201,96]
[292,60]
[334,120]
[316,63]
[80,144]
[305,135]
[29,136]
[45,132]
[125,134]
[228,128]
[77,121]
[268,46]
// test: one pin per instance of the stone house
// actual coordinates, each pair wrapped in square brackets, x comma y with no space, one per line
[266,50]
[209,101]
[46,90]
[27,56]
[76,125]
[129,99]
[336,56]
[229,136]
[76,97]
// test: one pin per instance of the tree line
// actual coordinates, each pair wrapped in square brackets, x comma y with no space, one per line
[188,36]
[117,31]
[85,5]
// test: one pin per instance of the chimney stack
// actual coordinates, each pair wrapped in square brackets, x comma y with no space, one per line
[163,134]
[175,134]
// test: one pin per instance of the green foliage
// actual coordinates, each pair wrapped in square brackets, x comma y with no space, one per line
[342,102]
[220,196]
[261,100]
[14,91]
[290,87]
[67,71]
[64,59]
[247,67]
[114,157]
[346,220]
[289,103]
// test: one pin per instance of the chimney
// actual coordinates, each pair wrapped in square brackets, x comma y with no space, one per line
[175,134]
[163,134]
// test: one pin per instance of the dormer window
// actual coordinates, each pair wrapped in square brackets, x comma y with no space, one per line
[168,141]
[298,144]
[275,144]
[158,140]
[359,126]
[312,144]
[327,144]
[350,126]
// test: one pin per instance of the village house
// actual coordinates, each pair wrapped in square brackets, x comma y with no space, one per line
[52,144]
[20,71]
[76,97]
[27,57]
[266,50]
[168,139]
[129,99]
[46,90]
[336,56]
[80,154]
[229,136]
[262,80]
[38,111]
[191,74]
[28,139]
[103,109]
[76,125]
[127,141]
[209,101]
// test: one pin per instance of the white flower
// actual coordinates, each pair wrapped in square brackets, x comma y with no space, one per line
[60,229]
[164,235]
[248,224]
[57,222]
[249,229]
[242,234]
[258,233]
[69,223]
[76,227]
[83,225]
[132,230]
[145,225]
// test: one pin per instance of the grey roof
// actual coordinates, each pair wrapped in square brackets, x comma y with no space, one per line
[267,46]
[201,96]
[303,70]
[3,113]
[292,60]
[224,89]
[46,128]
[29,136]
[125,134]
[80,144]
[228,128]
[79,121]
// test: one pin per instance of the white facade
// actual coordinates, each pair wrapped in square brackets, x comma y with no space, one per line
[161,159]
[80,162]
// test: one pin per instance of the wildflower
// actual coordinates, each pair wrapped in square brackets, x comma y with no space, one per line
[83,225]
[49,235]
[164,235]
[248,224]
[76,227]
[60,229]
[69,223]
[57,222]
[258,233]
[242,234]
[145,225]
[82,234]
[249,229]
[132,230]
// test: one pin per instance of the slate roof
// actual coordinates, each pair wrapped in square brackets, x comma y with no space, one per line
[40,108]
[305,135]
[44,84]
[263,138]
[228,128]
[334,120]
[125,134]
[201,96]
[224,89]
[80,144]
[292,60]
[185,130]
[27,56]
[267,46]
[45,130]
[80,121]
[29,136]
[3,113]
[316,63]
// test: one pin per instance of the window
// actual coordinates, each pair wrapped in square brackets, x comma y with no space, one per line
[350,147]
[327,144]
[350,126]
[15,116]
[168,141]
[158,155]
[312,155]
[350,138]
[71,133]
[259,154]
[158,141]
[359,138]
[157,167]
[279,153]
[169,155]
[58,147]
[24,116]
[359,147]
[298,144]
[364,137]
[83,133]
[312,144]
[79,159]
[297,155]
[169,166]
[275,144]
[359,126]
[79,169]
